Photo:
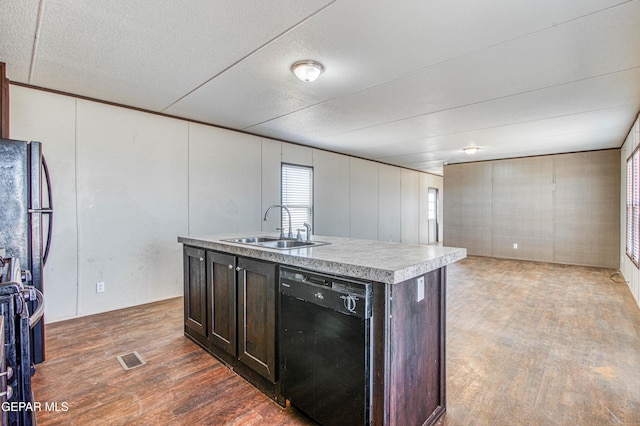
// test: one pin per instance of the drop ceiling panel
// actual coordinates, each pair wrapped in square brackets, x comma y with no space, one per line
[577,50]
[406,82]
[392,40]
[17,30]
[591,130]
[258,89]
[149,54]
[504,142]
[589,95]
[514,138]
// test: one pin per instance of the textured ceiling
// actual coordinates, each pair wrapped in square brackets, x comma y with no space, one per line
[409,83]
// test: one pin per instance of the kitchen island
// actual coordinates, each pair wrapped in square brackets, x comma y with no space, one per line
[232,309]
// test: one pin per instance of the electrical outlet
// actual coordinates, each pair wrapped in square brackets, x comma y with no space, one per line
[515,246]
[420,285]
[100,287]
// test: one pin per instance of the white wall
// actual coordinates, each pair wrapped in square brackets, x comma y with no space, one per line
[410,208]
[364,199]
[127,183]
[50,118]
[331,194]
[627,267]
[561,208]
[389,201]
[120,191]
[131,187]
[225,174]
[271,163]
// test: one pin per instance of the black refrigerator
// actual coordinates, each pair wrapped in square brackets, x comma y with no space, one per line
[26,220]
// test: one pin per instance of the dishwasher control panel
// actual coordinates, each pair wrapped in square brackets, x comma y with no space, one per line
[345,295]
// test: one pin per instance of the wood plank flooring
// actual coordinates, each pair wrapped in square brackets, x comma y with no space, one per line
[180,384]
[527,344]
[540,344]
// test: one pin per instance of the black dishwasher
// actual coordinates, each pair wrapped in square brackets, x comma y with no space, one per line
[325,346]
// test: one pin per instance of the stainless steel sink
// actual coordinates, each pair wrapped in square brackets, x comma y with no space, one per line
[252,240]
[291,244]
[276,243]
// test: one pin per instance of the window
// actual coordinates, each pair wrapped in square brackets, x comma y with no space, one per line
[633,206]
[432,223]
[297,196]
[432,204]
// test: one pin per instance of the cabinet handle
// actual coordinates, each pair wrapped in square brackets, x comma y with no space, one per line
[230,266]
[239,269]
[201,259]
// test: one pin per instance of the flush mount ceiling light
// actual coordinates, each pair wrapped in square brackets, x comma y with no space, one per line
[471,150]
[307,70]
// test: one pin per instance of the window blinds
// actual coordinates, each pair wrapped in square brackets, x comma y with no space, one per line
[629,212]
[633,207]
[297,196]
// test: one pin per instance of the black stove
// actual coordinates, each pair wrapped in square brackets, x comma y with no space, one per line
[15,297]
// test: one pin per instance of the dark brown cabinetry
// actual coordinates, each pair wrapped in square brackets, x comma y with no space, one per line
[416,380]
[195,294]
[4,102]
[221,293]
[257,316]
[230,310]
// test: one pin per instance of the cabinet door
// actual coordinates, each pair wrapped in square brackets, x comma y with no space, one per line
[221,293]
[257,316]
[195,292]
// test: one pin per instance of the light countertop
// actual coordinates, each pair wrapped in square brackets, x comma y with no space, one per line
[381,261]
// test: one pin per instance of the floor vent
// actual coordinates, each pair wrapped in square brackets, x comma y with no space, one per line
[131,360]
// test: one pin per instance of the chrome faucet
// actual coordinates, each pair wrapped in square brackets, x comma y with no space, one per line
[306,225]
[288,212]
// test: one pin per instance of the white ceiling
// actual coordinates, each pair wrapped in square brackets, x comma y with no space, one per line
[409,83]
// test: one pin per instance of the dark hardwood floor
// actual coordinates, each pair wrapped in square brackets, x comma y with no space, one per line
[180,383]
[527,344]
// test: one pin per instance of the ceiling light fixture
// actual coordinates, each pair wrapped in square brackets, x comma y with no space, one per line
[307,70]
[471,150]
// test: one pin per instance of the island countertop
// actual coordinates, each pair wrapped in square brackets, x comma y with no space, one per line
[382,261]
